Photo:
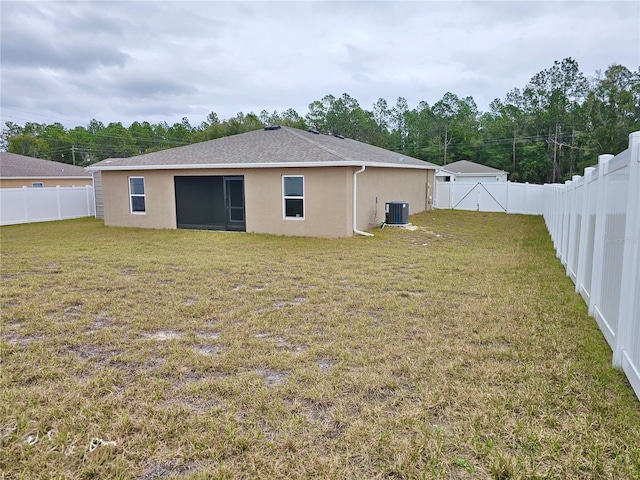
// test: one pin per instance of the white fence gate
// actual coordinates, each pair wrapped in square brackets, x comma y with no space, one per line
[26,205]
[506,197]
[594,222]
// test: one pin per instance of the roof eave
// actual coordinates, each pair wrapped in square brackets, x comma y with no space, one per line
[228,166]
[43,177]
[484,174]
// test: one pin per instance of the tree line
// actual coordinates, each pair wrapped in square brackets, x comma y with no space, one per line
[546,131]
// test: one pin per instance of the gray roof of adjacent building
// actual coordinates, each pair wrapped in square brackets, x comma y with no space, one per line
[467,167]
[267,148]
[13,165]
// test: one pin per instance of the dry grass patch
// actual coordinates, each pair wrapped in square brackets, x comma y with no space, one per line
[455,350]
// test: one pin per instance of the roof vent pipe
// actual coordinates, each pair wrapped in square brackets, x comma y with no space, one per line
[355,210]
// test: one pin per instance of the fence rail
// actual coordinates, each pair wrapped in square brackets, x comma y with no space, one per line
[26,205]
[506,197]
[594,222]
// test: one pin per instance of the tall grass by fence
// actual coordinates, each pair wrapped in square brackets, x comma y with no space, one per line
[26,205]
[506,197]
[594,222]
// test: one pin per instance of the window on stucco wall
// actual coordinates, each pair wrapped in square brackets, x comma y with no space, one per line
[136,195]
[293,196]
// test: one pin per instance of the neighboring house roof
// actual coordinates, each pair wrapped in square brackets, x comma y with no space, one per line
[267,148]
[13,165]
[465,167]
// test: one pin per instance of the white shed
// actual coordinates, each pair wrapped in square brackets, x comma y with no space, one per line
[466,171]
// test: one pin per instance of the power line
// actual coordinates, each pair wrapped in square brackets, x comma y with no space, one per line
[40,115]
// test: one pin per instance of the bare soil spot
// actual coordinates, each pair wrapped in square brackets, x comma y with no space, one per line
[190,301]
[198,405]
[318,412]
[208,335]
[283,344]
[163,335]
[209,350]
[101,320]
[272,377]
[73,312]
[166,470]
[296,301]
[325,364]
[17,339]
[98,355]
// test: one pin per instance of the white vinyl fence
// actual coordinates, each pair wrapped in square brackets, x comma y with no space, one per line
[26,205]
[594,222]
[506,197]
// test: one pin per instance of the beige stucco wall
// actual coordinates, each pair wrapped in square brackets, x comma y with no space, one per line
[325,197]
[159,200]
[48,182]
[327,202]
[324,202]
[391,185]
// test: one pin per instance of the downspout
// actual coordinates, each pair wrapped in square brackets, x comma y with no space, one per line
[93,186]
[355,210]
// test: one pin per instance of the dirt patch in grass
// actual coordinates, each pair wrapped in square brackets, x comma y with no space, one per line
[325,364]
[167,470]
[271,377]
[163,335]
[207,350]
[455,350]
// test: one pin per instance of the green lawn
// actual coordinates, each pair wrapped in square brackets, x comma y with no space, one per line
[458,350]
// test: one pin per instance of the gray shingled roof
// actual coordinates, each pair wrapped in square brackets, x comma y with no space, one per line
[465,166]
[13,165]
[267,148]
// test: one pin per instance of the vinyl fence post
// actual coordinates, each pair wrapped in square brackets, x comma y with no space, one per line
[59,200]
[566,220]
[582,246]
[558,223]
[451,195]
[560,188]
[573,223]
[25,200]
[629,312]
[598,237]
[87,189]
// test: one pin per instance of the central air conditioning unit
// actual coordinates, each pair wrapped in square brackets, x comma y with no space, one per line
[397,213]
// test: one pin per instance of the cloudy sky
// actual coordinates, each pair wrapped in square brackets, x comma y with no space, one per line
[164,60]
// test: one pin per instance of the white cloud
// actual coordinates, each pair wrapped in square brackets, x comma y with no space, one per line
[160,61]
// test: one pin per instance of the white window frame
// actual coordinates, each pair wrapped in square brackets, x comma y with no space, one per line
[143,195]
[37,184]
[290,197]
